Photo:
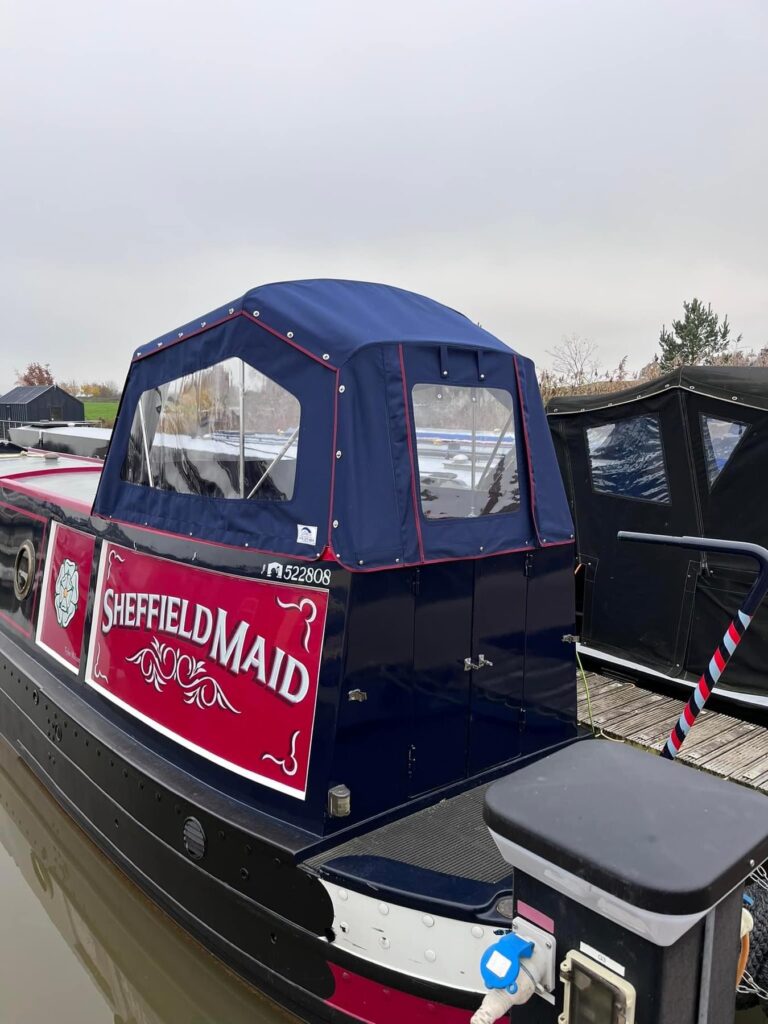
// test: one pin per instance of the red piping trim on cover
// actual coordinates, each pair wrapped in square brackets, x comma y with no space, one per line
[410,453]
[531,482]
[208,543]
[163,346]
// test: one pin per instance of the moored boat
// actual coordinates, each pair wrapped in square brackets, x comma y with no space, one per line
[680,455]
[271,653]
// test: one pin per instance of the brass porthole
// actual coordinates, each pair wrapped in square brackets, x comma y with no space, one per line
[24,570]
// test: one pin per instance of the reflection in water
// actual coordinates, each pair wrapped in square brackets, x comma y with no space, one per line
[112,957]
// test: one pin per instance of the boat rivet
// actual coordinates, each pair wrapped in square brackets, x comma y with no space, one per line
[289,334]
[384,942]
[428,920]
[159,344]
[343,894]
[326,357]
[482,548]
[397,560]
[430,955]
[383,909]
[734,398]
[202,323]
[477,931]
[255,312]
[338,454]
[181,334]
[335,524]
[548,944]
[361,562]
[342,389]
[231,311]
[246,543]
[482,376]
[543,540]
[445,373]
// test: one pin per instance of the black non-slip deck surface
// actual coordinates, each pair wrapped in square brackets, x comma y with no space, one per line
[450,838]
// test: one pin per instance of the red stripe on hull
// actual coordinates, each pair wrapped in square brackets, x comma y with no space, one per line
[373,1003]
[733,634]
[719,660]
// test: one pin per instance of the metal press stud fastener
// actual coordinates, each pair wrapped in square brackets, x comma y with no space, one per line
[202,323]
[445,373]
[231,311]
[289,334]
[335,524]
[255,312]
[482,376]
[342,389]
[338,454]
[181,334]
[326,356]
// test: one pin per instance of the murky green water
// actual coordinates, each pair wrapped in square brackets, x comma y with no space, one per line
[80,943]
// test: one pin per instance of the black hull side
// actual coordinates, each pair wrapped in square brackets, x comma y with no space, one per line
[248,901]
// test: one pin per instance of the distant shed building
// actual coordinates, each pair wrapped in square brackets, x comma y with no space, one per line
[25,404]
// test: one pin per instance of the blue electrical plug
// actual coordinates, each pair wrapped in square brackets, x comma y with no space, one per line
[500,963]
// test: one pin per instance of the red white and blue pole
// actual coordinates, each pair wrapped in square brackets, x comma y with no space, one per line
[732,636]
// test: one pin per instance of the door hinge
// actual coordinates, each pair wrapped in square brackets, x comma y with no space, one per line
[528,568]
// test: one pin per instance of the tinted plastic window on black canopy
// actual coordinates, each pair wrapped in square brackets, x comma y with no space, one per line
[627,458]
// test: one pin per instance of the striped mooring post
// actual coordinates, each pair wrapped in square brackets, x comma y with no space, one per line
[731,638]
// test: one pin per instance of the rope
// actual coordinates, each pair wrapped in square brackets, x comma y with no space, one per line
[586,690]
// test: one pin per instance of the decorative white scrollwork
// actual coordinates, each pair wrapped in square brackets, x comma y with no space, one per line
[161,664]
[302,606]
[284,762]
[113,556]
[67,592]
[97,673]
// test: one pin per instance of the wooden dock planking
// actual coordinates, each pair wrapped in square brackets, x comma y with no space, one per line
[719,743]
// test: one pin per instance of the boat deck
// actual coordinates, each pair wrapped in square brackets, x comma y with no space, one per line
[718,743]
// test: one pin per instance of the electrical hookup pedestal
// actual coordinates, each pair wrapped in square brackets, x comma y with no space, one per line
[629,877]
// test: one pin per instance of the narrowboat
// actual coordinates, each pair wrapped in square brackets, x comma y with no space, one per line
[298,656]
[683,454]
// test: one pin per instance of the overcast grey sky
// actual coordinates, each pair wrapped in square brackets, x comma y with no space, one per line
[546,167]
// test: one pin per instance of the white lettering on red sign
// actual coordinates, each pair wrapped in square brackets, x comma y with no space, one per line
[226,665]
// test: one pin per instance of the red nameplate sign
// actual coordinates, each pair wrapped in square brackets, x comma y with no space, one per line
[66,583]
[225,665]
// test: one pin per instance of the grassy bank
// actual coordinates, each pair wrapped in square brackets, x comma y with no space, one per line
[105,411]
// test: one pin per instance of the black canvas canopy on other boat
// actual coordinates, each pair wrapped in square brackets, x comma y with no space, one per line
[684,454]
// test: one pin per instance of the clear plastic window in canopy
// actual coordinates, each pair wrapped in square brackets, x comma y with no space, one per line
[227,431]
[627,459]
[467,456]
[720,439]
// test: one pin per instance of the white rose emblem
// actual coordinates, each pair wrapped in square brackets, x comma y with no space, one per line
[67,592]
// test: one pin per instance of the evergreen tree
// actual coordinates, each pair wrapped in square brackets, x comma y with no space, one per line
[699,338]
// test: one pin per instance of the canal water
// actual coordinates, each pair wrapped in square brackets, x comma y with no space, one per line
[81,945]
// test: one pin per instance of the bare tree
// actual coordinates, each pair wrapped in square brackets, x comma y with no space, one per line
[574,361]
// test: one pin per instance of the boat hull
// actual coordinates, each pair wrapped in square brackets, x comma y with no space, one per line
[251,903]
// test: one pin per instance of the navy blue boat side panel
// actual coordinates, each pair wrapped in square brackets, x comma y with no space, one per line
[550,694]
[370,750]
[266,525]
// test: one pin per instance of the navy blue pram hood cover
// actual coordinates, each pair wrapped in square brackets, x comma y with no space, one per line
[350,352]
